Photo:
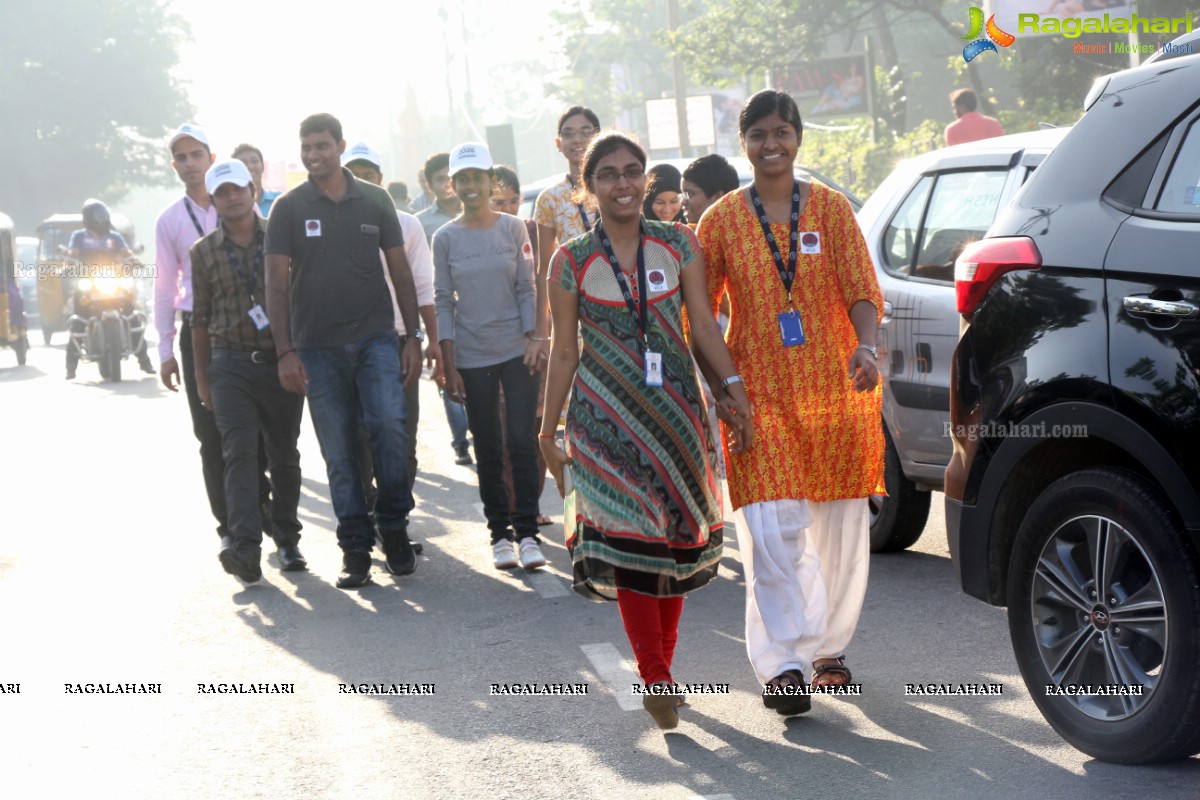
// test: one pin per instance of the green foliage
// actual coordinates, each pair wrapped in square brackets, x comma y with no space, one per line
[852,159]
[749,36]
[617,55]
[89,99]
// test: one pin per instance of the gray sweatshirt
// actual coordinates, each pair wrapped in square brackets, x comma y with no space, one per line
[483,290]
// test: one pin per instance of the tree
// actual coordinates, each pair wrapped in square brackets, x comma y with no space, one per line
[617,54]
[89,99]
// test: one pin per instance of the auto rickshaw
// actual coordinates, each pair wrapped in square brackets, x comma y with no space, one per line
[13,325]
[54,287]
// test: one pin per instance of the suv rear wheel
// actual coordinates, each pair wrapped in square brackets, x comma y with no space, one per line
[898,519]
[1103,590]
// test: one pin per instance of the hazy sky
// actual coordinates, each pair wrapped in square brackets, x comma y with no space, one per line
[352,58]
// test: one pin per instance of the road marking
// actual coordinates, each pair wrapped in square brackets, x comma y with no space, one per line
[616,673]
[547,584]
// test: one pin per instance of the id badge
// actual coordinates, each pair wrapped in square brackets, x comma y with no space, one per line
[654,376]
[790,329]
[259,317]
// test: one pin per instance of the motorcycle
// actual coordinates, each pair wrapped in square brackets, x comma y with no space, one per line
[106,322]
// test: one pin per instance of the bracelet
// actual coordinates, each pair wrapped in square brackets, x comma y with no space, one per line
[732,379]
[547,435]
[285,352]
[538,338]
[870,348]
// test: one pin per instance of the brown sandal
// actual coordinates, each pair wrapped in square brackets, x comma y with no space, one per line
[837,668]
[794,701]
[662,708]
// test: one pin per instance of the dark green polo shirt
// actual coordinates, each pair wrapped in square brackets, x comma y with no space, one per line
[338,293]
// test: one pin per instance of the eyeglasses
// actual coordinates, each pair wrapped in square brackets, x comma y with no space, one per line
[582,133]
[609,176]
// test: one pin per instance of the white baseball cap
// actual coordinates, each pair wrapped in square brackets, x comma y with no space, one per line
[470,155]
[362,151]
[188,129]
[229,171]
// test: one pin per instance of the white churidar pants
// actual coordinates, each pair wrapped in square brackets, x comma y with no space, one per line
[806,576]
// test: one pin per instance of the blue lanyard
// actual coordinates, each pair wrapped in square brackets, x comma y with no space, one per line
[235,262]
[188,205]
[786,274]
[582,211]
[640,307]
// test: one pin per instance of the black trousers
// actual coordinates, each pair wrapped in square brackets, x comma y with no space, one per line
[204,426]
[252,408]
[483,415]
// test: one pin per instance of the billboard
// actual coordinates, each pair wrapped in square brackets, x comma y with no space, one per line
[835,86]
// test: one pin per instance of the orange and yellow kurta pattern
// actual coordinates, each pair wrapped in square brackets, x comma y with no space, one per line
[815,437]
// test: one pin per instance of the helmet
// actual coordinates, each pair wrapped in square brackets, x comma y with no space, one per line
[95,216]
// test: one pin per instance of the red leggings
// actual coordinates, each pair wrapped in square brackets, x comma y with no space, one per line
[652,625]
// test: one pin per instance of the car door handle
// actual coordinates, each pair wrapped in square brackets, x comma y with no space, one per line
[887,312]
[1172,308]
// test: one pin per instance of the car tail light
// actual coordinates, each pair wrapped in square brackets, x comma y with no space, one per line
[984,261]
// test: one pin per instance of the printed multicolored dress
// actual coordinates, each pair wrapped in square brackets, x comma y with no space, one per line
[647,512]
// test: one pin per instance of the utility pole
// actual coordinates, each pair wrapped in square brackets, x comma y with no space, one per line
[685,147]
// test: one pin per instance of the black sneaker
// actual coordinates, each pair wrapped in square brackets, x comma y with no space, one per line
[356,570]
[144,363]
[398,553]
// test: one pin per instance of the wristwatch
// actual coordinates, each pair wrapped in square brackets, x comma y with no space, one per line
[732,379]
[870,348]
[418,334]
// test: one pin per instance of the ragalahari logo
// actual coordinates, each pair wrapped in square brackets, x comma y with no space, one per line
[994,37]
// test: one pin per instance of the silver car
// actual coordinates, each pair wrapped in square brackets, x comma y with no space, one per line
[916,223]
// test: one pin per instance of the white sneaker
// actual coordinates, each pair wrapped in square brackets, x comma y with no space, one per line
[503,555]
[531,554]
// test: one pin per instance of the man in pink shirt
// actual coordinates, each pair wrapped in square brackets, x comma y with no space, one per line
[179,226]
[971,125]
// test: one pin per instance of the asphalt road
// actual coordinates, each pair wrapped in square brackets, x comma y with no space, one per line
[108,574]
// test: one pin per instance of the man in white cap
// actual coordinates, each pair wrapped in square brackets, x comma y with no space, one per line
[236,376]
[177,229]
[365,163]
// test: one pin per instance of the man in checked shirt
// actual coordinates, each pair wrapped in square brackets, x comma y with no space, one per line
[237,379]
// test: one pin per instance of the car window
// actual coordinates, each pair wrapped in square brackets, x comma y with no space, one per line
[961,210]
[1181,190]
[901,238]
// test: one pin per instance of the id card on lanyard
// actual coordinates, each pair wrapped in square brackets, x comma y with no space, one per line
[256,313]
[652,361]
[791,329]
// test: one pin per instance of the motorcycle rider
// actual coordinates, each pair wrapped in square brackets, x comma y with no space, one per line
[98,245]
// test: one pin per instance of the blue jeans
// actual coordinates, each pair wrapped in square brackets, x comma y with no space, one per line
[361,380]
[456,415]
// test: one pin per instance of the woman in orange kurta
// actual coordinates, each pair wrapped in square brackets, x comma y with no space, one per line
[801,493]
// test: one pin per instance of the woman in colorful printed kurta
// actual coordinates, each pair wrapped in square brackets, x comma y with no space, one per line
[819,438]
[646,524]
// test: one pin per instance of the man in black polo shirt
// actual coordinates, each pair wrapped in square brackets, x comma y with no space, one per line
[236,377]
[337,341]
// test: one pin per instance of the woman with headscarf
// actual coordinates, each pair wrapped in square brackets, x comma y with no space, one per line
[664,194]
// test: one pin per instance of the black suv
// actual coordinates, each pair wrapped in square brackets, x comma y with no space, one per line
[1073,493]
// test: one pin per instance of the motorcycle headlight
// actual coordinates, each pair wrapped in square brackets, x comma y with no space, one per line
[125,283]
[85,285]
[106,286]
